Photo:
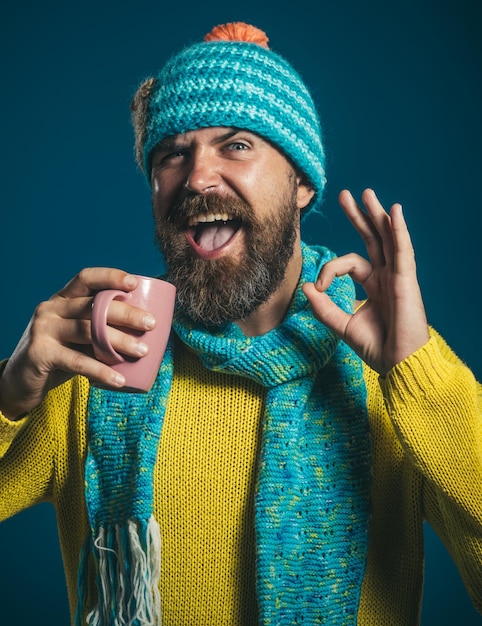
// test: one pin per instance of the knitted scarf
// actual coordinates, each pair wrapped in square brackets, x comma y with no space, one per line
[313,480]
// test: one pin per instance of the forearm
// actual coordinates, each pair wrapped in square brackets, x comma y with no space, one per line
[27,452]
[461,532]
[435,405]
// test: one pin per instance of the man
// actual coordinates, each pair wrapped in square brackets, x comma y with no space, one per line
[281,467]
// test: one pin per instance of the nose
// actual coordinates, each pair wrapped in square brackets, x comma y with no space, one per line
[203,174]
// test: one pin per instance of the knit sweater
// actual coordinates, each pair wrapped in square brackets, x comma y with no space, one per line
[426,431]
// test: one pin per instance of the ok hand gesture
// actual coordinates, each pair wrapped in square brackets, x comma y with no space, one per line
[391,324]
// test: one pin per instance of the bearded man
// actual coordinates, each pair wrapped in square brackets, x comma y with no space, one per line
[295,440]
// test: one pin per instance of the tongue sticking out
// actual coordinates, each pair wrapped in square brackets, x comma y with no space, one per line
[213,236]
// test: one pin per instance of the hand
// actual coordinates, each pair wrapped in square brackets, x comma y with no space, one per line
[57,342]
[391,324]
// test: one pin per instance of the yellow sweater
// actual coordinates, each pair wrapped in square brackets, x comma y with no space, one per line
[426,428]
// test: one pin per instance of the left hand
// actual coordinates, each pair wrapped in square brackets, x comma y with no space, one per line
[391,324]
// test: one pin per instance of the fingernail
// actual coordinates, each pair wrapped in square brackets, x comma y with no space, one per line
[149,321]
[119,380]
[142,348]
[130,282]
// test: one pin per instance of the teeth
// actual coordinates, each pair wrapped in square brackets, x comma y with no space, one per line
[210,217]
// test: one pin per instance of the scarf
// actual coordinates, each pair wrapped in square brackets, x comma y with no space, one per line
[313,479]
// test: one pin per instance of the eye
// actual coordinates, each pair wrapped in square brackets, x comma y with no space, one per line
[175,154]
[236,146]
[164,157]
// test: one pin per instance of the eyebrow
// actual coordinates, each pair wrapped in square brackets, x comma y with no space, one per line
[176,142]
[231,133]
[168,143]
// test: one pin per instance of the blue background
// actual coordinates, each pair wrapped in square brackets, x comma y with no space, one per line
[398,88]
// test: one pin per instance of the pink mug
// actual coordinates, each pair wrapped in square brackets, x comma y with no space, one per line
[156,297]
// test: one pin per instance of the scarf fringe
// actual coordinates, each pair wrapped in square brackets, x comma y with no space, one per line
[128,565]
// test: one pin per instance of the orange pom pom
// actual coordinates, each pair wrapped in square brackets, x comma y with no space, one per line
[238,31]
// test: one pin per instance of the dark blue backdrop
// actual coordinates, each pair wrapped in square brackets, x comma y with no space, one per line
[398,87]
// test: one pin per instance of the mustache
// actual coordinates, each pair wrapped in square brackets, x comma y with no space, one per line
[191,206]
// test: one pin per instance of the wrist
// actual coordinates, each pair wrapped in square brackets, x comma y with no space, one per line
[12,403]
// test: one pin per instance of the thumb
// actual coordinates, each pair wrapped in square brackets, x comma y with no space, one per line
[326,311]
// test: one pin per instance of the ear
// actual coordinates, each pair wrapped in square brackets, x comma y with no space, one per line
[304,193]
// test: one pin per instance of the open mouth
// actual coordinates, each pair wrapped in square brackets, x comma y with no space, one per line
[211,233]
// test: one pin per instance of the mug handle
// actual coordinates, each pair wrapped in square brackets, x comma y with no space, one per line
[103,349]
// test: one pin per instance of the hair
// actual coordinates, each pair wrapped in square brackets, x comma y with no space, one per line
[140,111]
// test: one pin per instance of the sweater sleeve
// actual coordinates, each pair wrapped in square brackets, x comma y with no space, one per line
[27,455]
[435,405]
[8,431]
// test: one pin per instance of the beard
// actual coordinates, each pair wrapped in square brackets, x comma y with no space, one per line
[215,291]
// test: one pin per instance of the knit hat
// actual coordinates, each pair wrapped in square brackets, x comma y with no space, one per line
[232,79]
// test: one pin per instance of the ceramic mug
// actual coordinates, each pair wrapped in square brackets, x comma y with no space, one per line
[154,296]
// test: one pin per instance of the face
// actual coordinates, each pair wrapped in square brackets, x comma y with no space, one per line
[226,205]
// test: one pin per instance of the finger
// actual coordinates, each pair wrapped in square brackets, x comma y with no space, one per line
[326,311]
[77,333]
[121,317]
[119,314]
[404,255]
[52,353]
[364,225]
[93,279]
[131,345]
[67,321]
[125,315]
[352,264]
[76,362]
[382,223]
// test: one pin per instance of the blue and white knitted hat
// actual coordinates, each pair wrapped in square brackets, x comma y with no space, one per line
[232,79]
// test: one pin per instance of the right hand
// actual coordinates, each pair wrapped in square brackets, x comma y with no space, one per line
[57,343]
